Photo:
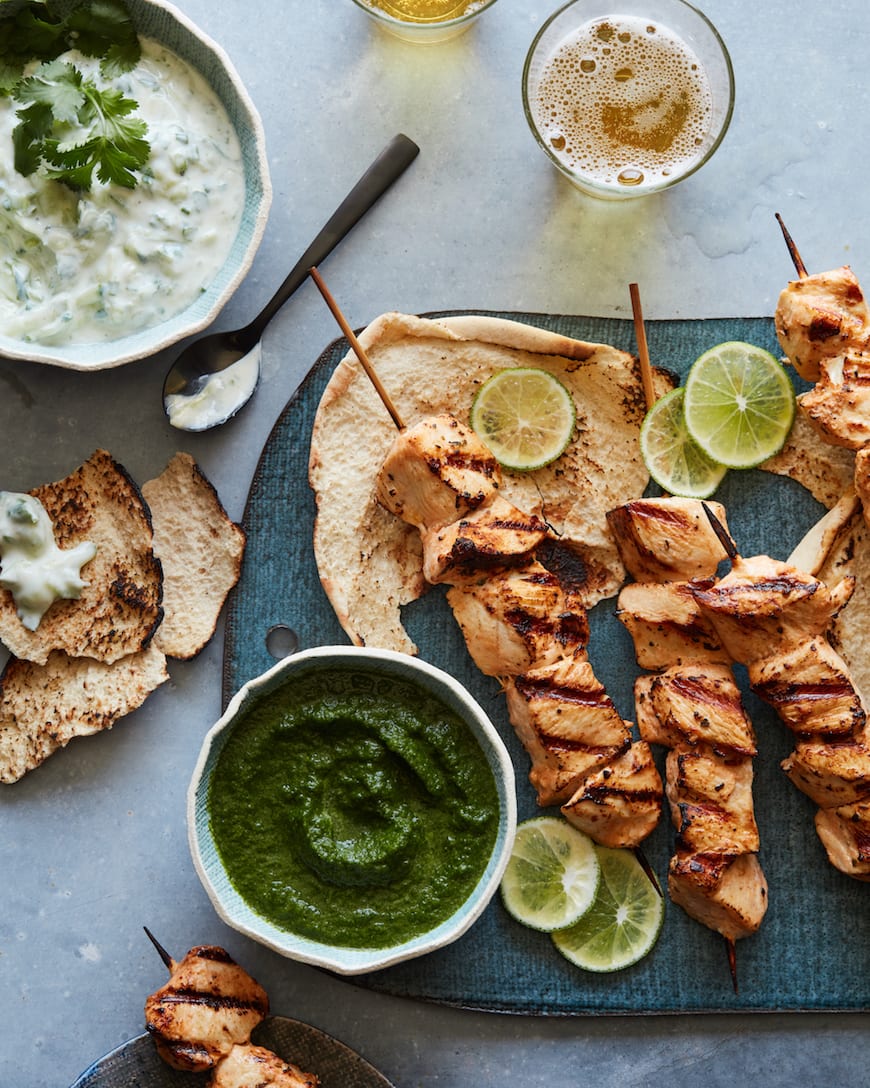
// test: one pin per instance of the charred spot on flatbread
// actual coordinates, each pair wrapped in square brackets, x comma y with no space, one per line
[120,607]
[44,706]
[370,562]
[201,551]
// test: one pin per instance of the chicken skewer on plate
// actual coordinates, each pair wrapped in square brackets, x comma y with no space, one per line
[511,592]
[691,705]
[773,617]
[822,322]
[201,1021]
[521,619]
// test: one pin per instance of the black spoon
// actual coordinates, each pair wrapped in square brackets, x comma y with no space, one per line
[201,360]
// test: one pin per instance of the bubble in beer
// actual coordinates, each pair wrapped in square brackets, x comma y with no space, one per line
[629,100]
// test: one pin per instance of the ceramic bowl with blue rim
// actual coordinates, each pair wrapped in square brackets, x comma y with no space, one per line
[352,808]
[43,268]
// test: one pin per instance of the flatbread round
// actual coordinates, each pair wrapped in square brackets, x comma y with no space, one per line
[370,561]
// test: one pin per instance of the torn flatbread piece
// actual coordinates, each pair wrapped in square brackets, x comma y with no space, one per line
[42,707]
[849,556]
[370,561]
[201,551]
[120,607]
[825,471]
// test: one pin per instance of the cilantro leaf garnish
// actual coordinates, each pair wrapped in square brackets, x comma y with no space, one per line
[73,127]
[68,125]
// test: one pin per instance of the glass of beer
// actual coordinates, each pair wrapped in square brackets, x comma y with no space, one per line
[628,97]
[424,21]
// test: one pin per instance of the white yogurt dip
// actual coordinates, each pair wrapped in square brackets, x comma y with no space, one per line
[94,266]
[221,395]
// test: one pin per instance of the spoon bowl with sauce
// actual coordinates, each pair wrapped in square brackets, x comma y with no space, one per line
[216,375]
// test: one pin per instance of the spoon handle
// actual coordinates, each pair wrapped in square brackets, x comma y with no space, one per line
[396,157]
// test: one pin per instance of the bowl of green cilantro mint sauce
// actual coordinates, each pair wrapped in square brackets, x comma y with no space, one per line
[352,808]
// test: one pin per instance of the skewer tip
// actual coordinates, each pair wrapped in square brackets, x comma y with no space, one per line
[648,869]
[722,533]
[731,950]
[798,263]
[161,951]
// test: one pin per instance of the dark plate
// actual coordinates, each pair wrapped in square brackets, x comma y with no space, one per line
[813,950]
[136,1064]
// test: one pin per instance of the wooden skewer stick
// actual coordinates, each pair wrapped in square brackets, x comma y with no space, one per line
[161,951]
[731,950]
[722,533]
[798,263]
[359,350]
[646,372]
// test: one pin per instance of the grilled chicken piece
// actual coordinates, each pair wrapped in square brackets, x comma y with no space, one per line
[726,894]
[763,606]
[667,625]
[208,1005]
[691,705]
[567,723]
[437,471]
[514,620]
[831,773]
[620,804]
[711,802]
[810,688]
[838,405]
[667,540]
[250,1066]
[496,534]
[819,317]
[845,834]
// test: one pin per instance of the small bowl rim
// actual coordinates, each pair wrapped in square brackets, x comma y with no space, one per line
[105,356]
[340,959]
[435,25]
[591,187]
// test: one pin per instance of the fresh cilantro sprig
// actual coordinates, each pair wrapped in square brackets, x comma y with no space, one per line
[67,124]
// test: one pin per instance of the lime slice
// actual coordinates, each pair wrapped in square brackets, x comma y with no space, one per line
[622,924]
[525,416]
[739,404]
[672,457]
[552,876]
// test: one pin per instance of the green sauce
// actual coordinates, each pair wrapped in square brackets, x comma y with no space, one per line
[361,813]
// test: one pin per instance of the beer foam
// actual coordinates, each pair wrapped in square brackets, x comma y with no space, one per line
[623,102]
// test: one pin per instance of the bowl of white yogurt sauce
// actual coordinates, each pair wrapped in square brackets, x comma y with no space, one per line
[98,278]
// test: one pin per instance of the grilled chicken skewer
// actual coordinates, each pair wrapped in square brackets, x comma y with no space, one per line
[521,618]
[822,323]
[524,623]
[201,1021]
[691,705]
[773,618]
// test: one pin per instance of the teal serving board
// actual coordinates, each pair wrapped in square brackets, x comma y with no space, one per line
[813,950]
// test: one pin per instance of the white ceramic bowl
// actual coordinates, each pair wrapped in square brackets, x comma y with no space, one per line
[233,908]
[162,21]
